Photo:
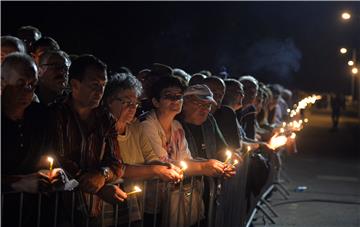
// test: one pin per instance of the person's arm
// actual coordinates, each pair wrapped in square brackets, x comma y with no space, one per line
[144,172]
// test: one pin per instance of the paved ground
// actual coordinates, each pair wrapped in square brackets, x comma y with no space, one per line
[328,163]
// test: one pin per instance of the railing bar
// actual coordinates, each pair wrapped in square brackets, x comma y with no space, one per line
[201,196]
[190,204]
[102,213]
[56,208]
[181,191]
[20,207]
[156,201]
[72,207]
[39,211]
[130,207]
[143,205]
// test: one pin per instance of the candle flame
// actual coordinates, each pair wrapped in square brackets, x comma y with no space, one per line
[183,165]
[306,120]
[228,156]
[136,190]
[50,159]
[277,141]
[293,135]
[235,162]
[282,130]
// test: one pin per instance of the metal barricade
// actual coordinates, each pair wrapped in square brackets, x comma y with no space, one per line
[183,199]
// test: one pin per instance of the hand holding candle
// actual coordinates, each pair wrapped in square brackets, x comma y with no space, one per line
[183,166]
[277,141]
[136,190]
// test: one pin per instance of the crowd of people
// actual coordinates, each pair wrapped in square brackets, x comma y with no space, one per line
[101,128]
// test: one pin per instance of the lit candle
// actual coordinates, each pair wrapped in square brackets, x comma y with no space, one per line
[228,156]
[282,130]
[183,165]
[293,135]
[306,120]
[235,162]
[277,141]
[51,161]
[136,190]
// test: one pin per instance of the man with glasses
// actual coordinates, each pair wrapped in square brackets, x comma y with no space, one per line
[53,76]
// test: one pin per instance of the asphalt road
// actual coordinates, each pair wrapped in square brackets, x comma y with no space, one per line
[328,164]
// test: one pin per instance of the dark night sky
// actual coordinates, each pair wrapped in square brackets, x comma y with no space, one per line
[294,43]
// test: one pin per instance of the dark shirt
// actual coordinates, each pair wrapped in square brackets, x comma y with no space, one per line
[247,117]
[23,142]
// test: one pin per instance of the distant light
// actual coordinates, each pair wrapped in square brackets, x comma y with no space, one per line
[354,70]
[350,63]
[346,16]
[343,50]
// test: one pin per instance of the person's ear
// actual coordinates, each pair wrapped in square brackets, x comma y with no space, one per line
[155,103]
[75,85]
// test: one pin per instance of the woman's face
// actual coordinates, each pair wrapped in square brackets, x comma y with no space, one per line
[171,100]
[123,105]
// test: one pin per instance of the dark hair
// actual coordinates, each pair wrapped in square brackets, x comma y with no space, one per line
[80,64]
[47,42]
[45,56]
[197,78]
[29,28]
[17,61]
[231,85]
[166,82]
[214,79]
[122,81]
[13,42]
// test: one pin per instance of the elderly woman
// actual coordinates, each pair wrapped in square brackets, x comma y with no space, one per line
[121,98]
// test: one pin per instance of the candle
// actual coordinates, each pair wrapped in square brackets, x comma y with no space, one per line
[282,130]
[51,161]
[293,135]
[306,120]
[136,190]
[235,162]
[228,156]
[183,165]
[277,141]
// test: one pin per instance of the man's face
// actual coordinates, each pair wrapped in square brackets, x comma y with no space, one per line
[88,92]
[20,85]
[123,105]
[238,97]
[250,94]
[171,100]
[218,91]
[196,110]
[53,73]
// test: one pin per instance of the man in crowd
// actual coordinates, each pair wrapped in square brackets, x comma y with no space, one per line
[53,76]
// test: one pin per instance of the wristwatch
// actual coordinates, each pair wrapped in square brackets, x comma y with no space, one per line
[105,171]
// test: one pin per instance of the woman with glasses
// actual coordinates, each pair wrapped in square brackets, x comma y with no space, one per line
[121,98]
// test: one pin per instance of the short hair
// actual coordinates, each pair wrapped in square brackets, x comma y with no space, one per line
[214,79]
[15,61]
[166,82]
[182,74]
[44,57]
[206,73]
[247,79]
[47,42]
[122,81]
[79,65]
[29,28]
[231,86]
[197,78]
[12,41]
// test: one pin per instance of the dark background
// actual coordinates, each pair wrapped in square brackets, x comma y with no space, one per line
[294,43]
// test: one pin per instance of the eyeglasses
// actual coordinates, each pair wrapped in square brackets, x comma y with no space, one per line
[172,97]
[128,103]
[202,105]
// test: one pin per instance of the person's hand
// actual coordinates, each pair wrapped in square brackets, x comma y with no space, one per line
[32,183]
[229,171]
[91,182]
[213,168]
[168,174]
[112,194]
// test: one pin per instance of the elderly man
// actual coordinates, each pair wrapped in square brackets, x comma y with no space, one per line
[24,135]
[201,131]
[86,139]
[53,76]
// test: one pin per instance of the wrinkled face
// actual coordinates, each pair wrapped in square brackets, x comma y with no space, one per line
[196,110]
[218,91]
[53,73]
[88,92]
[171,100]
[123,105]
[20,85]
[6,50]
